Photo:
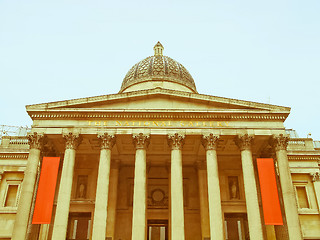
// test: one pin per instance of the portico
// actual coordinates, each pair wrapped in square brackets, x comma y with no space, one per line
[159,161]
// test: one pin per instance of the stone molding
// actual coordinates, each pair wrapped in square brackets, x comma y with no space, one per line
[156,91]
[176,141]
[315,177]
[36,140]
[73,140]
[210,141]
[236,116]
[107,141]
[141,141]
[244,141]
[279,142]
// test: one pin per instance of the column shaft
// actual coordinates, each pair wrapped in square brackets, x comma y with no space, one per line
[215,211]
[112,206]
[176,142]
[101,203]
[177,208]
[141,142]
[289,198]
[252,203]
[204,205]
[63,203]
[139,196]
[30,174]
[244,142]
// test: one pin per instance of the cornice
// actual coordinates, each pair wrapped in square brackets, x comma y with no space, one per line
[157,91]
[145,114]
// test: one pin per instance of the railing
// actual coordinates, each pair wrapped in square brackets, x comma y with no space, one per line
[19,141]
[316,144]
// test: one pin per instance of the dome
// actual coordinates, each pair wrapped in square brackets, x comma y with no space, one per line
[158,71]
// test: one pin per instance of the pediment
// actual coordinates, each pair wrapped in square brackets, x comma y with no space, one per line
[157,100]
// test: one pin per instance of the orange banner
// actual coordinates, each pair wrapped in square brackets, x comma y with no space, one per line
[46,189]
[269,192]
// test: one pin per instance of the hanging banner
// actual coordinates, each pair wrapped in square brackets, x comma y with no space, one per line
[269,192]
[46,189]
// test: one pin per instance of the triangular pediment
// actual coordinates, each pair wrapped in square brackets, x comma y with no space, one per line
[157,100]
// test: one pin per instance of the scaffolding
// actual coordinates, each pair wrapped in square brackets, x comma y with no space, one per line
[6,130]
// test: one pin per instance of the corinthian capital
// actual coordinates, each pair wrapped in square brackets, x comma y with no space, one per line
[176,141]
[141,141]
[36,140]
[106,140]
[315,177]
[210,141]
[244,142]
[72,140]
[279,142]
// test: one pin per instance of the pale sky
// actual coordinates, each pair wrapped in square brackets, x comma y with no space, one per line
[262,51]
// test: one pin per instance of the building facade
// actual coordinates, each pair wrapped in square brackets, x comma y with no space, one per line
[159,161]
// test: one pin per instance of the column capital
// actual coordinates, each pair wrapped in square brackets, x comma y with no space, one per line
[176,141]
[1,174]
[72,140]
[210,141]
[279,142]
[141,141]
[106,140]
[315,177]
[244,141]
[36,140]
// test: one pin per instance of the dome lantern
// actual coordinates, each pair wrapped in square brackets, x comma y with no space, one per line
[158,49]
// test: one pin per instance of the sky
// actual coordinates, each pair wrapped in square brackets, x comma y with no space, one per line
[261,51]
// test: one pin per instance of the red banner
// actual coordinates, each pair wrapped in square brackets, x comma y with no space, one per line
[46,189]
[269,192]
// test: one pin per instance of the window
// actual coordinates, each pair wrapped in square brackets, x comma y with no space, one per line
[302,197]
[11,198]
[11,195]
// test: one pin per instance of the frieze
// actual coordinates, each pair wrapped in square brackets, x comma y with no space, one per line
[155,124]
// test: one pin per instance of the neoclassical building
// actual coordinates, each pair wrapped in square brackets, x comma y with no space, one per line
[159,161]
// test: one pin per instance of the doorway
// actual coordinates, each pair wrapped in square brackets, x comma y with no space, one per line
[157,230]
[79,226]
[236,225]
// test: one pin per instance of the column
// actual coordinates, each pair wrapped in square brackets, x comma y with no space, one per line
[44,231]
[101,204]
[244,142]
[280,143]
[203,197]
[141,142]
[316,184]
[176,142]
[21,222]
[113,193]
[210,143]
[63,203]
